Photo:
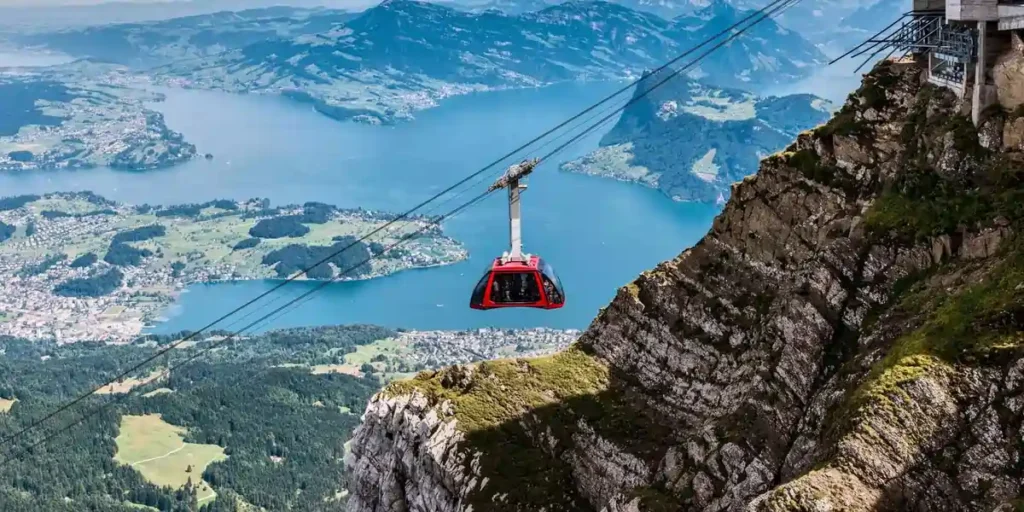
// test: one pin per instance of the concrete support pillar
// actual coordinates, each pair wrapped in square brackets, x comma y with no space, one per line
[515,222]
[979,100]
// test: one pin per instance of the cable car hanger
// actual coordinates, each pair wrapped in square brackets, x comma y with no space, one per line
[516,279]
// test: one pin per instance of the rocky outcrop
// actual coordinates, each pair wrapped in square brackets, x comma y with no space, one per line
[1007,72]
[1013,133]
[846,337]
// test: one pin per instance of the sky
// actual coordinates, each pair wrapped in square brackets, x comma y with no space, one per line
[57,13]
[28,3]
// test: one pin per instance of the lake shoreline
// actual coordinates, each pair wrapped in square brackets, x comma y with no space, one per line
[272,148]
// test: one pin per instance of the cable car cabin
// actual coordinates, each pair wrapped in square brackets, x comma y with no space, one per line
[516,279]
[519,284]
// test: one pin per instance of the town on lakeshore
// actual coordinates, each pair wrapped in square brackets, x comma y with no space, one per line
[82,116]
[75,266]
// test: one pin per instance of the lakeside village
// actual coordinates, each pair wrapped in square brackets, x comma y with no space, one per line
[438,349]
[46,292]
[85,121]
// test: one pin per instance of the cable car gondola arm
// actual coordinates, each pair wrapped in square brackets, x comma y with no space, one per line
[514,173]
[515,223]
[511,181]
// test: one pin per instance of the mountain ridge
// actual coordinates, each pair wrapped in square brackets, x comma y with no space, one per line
[403,55]
[145,44]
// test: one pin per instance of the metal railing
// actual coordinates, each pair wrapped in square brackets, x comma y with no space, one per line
[921,32]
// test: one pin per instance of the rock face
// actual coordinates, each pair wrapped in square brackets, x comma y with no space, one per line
[846,337]
[1007,72]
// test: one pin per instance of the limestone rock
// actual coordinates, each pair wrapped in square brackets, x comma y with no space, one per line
[1013,135]
[1006,74]
[990,133]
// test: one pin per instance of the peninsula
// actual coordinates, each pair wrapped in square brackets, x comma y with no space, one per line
[83,115]
[692,141]
[75,266]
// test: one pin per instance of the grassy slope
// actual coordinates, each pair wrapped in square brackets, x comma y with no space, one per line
[156,449]
[5,404]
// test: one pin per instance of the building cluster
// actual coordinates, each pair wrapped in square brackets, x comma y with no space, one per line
[93,132]
[435,349]
[30,307]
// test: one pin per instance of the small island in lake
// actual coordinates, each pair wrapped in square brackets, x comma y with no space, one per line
[75,266]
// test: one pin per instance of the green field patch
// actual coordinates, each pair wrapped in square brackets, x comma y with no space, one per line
[158,392]
[66,205]
[114,311]
[338,496]
[347,369]
[396,376]
[389,347]
[139,506]
[117,388]
[5,404]
[157,450]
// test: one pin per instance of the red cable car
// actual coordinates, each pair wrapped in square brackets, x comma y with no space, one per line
[515,279]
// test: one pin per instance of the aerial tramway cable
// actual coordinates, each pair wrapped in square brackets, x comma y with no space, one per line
[773,8]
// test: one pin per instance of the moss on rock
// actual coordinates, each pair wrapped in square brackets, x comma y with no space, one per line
[979,324]
[496,392]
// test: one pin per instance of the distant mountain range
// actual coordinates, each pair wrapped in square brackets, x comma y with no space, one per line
[403,55]
[154,43]
[32,15]
[693,142]
[869,19]
[832,24]
[828,23]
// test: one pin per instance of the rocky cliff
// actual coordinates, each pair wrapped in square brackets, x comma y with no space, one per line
[846,337]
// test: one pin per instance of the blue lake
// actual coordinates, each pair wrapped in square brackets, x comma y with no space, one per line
[599,234]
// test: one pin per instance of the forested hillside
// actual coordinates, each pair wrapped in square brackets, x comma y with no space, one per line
[282,428]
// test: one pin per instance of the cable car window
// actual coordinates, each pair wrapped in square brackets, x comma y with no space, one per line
[549,272]
[515,287]
[553,294]
[480,289]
